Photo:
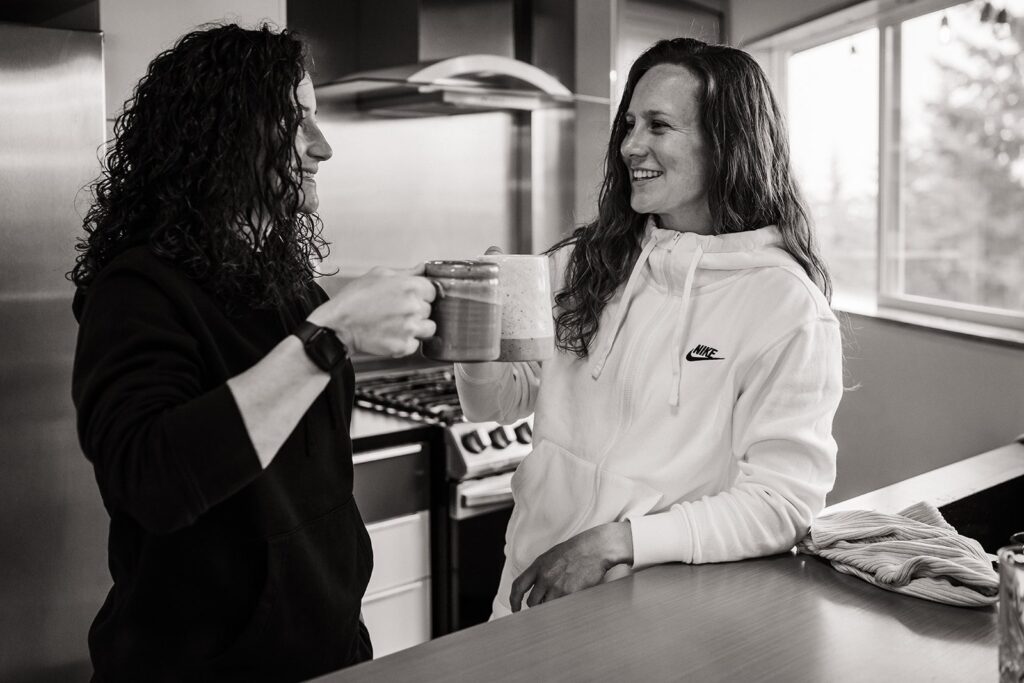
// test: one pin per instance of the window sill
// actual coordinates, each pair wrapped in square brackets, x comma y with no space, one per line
[960,328]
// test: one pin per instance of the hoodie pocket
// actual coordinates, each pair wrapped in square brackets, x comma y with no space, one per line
[306,622]
[558,495]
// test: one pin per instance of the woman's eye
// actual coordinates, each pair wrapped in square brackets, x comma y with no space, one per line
[658,125]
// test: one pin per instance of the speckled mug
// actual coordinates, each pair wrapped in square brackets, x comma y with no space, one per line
[524,286]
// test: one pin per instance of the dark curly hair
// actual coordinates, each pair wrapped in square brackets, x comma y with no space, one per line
[750,184]
[203,169]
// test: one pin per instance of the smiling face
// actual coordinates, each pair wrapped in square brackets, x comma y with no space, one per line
[311,145]
[665,150]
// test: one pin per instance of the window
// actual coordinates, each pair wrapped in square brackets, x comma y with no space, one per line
[833,124]
[907,133]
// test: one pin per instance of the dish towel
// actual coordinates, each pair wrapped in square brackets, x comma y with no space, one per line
[914,552]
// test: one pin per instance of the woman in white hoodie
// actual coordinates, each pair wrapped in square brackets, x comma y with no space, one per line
[687,413]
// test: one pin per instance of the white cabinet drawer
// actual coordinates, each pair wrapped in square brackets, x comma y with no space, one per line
[398,618]
[401,551]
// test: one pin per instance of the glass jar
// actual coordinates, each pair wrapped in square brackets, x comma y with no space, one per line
[1011,614]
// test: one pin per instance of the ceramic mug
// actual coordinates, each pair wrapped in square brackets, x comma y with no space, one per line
[527,327]
[466,310]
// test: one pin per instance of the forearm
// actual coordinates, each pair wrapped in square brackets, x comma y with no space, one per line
[274,394]
[618,543]
[748,520]
[503,392]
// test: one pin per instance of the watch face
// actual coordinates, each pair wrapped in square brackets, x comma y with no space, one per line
[326,349]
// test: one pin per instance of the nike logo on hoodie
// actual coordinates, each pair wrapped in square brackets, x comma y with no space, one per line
[702,352]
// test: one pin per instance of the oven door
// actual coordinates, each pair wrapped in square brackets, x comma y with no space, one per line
[479,511]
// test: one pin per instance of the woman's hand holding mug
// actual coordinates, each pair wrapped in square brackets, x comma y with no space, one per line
[384,312]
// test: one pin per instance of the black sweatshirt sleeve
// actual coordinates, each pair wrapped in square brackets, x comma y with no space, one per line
[165,449]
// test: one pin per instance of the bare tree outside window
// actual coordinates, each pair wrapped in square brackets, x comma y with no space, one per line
[962,186]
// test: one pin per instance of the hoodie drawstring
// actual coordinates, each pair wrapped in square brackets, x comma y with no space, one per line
[682,327]
[627,299]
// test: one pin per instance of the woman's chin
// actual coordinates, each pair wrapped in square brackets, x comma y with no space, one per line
[640,207]
[310,203]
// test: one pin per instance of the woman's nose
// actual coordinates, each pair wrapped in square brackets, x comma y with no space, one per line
[632,145]
[319,148]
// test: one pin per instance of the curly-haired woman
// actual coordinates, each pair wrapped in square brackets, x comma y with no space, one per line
[212,379]
[687,414]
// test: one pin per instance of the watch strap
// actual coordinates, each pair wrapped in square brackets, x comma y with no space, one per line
[322,345]
[305,331]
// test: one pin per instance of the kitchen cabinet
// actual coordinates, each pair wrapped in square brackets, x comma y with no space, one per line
[397,605]
[392,488]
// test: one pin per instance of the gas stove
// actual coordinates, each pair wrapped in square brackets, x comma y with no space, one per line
[429,395]
[426,395]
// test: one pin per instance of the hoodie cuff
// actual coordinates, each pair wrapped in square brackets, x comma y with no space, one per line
[480,373]
[661,537]
[209,434]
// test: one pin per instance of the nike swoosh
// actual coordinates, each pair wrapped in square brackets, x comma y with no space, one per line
[690,356]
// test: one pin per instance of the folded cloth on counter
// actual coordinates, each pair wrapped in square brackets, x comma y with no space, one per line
[914,552]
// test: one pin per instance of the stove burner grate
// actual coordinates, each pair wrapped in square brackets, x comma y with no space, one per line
[424,396]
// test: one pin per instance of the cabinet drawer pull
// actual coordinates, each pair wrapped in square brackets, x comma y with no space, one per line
[385,453]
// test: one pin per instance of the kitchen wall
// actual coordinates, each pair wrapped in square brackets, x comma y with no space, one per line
[926,398]
[135,31]
[400,191]
[641,23]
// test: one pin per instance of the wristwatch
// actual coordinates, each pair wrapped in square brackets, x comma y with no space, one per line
[322,345]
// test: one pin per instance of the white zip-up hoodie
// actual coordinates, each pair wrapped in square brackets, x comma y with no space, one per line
[703,414]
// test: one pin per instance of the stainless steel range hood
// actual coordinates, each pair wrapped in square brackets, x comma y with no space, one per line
[436,57]
[457,85]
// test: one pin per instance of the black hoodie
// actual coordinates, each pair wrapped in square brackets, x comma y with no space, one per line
[221,570]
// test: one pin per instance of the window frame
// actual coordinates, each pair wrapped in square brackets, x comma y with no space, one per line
[774,51]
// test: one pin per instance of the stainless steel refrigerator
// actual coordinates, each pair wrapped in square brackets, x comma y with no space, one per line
[53,574]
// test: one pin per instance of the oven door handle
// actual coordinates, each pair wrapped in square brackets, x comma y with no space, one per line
[480,496]
[476,499]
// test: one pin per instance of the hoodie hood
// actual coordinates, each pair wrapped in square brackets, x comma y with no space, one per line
[681,262]
[673,253]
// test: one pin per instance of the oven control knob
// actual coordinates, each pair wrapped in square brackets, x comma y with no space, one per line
[499,437]
[472,442]
[523,433]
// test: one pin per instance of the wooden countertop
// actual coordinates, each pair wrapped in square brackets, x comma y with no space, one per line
[784,618]
[787,618]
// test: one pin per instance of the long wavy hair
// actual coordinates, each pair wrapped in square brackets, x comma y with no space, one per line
[203,169]
[750,186]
